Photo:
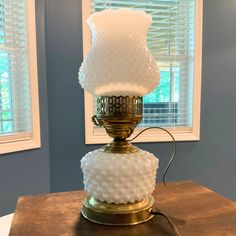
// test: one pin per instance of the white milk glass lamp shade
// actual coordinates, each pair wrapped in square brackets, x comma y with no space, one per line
[119,62]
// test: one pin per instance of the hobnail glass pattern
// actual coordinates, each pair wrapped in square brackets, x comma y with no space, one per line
[119,62]
[119,178]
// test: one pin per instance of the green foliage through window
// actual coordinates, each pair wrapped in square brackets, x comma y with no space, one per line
[6,119]
[168,89]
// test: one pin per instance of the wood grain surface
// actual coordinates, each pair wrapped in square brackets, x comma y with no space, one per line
[194,209]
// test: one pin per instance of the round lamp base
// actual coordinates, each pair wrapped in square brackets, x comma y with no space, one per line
[117,214]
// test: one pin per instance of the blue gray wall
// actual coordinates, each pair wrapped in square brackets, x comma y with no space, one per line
[27,172]
[211,161]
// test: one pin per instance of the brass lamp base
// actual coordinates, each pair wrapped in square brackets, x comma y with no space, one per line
[117,214]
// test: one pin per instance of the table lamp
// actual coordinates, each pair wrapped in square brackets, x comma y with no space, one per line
[119,69]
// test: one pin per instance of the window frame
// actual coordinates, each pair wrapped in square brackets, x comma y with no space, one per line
[95,135]
[13,142]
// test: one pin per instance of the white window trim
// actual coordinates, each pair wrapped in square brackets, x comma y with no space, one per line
[24,141]
[95,135]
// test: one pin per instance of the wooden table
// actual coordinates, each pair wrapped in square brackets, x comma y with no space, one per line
[194,209]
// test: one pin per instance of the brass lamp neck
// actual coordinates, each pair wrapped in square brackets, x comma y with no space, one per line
[119,115]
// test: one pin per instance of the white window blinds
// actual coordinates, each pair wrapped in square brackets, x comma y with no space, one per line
[171,41]
[15,112]
[19,106]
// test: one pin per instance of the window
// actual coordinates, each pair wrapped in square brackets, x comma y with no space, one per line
[174,39]
[19,107]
